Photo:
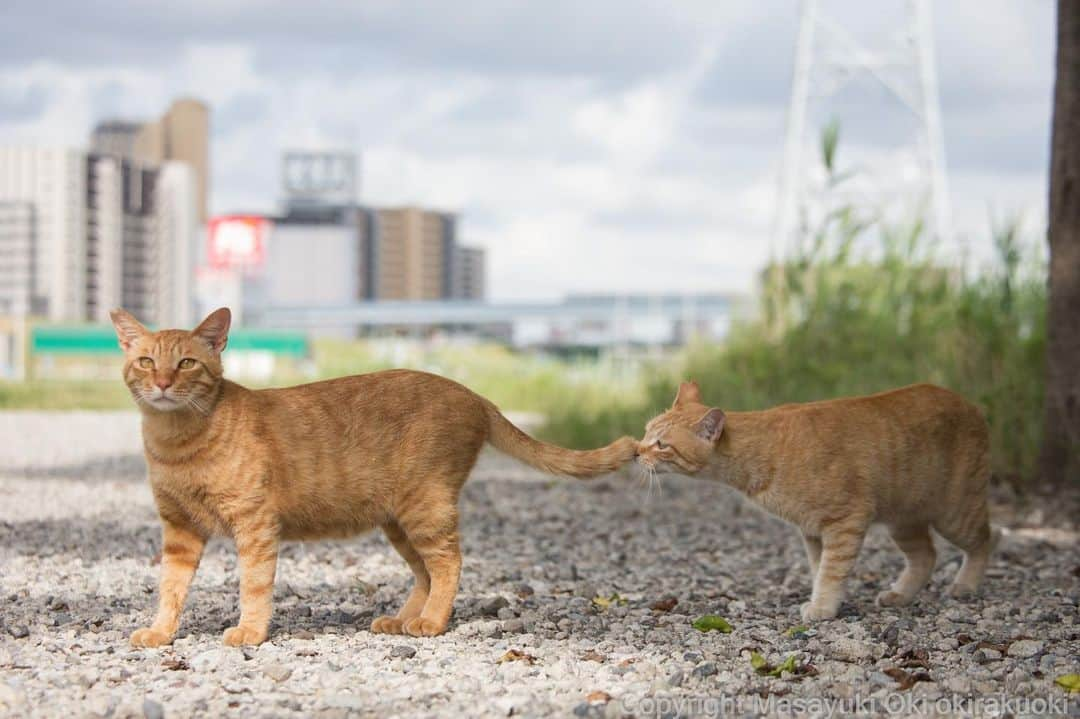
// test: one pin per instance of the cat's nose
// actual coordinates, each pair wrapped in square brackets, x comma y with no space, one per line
[163,383]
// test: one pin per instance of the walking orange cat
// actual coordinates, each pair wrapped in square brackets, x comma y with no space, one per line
[912,459]
[329,459]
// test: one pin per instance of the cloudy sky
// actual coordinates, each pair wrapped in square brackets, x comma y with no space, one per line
[590,146]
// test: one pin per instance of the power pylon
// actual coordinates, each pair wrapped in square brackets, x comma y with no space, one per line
[829,58]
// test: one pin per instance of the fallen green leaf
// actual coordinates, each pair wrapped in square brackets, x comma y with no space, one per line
[788,665]
[762,667]
[1069,682]
[605,602]
[797,630]
[711,622]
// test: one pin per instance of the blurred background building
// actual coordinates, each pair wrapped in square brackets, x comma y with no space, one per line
[182,134]
[325,249]
[84,231]
[46,238]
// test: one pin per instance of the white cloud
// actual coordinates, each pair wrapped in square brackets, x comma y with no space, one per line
[608,147]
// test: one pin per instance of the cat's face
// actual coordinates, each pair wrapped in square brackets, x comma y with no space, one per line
[681,440]
[173,370]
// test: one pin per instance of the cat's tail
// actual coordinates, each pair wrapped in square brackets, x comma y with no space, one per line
[552,459]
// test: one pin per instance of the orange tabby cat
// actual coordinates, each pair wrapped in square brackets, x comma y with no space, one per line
[912,459]
[329,459]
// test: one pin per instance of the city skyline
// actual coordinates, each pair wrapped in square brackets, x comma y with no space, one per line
[609,149]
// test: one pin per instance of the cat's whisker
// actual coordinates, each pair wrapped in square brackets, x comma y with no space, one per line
[195,404]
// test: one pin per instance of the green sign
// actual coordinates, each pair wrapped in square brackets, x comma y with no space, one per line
[101,340]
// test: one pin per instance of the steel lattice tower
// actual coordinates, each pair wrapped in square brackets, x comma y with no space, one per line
[829,57]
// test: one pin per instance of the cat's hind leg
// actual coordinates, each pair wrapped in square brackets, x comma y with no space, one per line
[971,532]
[430,523]
[919,557]
[414,605]
[840,546]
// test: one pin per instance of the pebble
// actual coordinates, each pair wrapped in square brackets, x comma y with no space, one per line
[707,669]
[852,650]
[152,709]
[277,672]
[513,626]
[1025,648]
[490,607]
[403,651]
[12,698]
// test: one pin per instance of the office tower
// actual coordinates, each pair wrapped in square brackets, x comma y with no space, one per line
[16,258]
[182,134]
[468,273]
[177,222]
[141,226]
[52,181]
[411,254]
[115,137]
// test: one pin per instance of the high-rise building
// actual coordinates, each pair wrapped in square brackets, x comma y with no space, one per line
[177,223]
[468,273]
[115,137]
[411,250]
[140,231]
[83,233]
[53,182]
[16,258]
[182,134]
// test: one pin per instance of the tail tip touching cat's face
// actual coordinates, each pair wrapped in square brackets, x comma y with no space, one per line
[682,439]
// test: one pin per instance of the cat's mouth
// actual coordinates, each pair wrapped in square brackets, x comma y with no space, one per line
[162,402]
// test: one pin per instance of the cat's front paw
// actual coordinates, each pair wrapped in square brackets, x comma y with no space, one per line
[815,613]
[148,637]
[963,591]
[420,627]
[890,598]
[387,625]
[241,635]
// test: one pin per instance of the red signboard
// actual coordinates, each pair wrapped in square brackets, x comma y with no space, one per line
[237,241]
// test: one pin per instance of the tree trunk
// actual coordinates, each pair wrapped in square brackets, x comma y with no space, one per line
[1058,460]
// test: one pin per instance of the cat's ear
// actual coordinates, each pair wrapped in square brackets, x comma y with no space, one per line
[214,330]
[688,392]
[711,425]
[128,329]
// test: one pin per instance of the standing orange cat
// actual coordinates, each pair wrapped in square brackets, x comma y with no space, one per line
[912,459]
[329,459]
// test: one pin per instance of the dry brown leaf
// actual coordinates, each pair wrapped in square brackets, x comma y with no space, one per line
[915,658]
[906,680]
[1003,648]
[516,655]
[598,697]
[593,656]
[175,665]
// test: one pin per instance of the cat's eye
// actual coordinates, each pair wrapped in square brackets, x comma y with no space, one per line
[661,445]
[186,363]
[146,363]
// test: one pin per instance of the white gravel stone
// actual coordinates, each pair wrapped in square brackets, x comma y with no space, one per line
[1025,648]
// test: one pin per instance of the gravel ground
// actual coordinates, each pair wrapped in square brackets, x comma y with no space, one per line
[78,537]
